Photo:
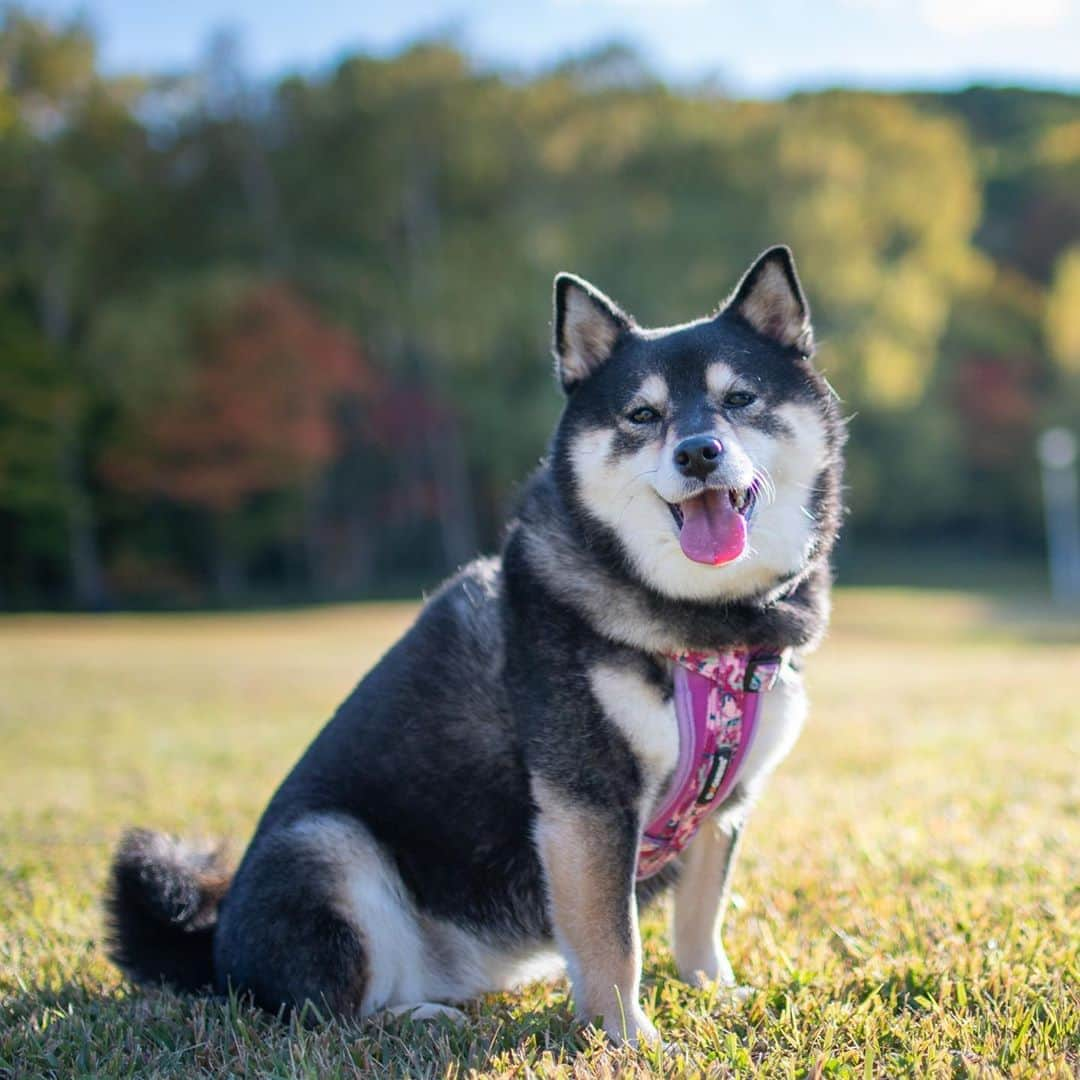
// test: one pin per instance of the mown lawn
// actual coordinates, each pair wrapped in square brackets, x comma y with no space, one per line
[908,902]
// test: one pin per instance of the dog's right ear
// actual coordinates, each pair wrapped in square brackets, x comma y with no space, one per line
[772,301]
[587,326]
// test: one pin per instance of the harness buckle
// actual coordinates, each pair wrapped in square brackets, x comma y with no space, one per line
[721,759]
[762,673]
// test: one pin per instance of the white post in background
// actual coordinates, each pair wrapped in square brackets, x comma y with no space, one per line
[1057,453]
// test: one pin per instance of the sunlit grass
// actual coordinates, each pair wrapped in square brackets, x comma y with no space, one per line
[908,903]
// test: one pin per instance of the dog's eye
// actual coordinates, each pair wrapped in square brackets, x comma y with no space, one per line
[644,415]
[739,399]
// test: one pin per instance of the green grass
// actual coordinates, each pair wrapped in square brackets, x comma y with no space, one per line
[908,902]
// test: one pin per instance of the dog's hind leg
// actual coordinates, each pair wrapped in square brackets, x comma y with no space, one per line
[318,913]
[285,937]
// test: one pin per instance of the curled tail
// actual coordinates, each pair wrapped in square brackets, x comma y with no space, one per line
[161,906]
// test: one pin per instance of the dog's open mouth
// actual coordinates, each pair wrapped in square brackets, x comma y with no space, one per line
[713,526]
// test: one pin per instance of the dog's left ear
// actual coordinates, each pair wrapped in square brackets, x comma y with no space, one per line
[587,326]
[771,300]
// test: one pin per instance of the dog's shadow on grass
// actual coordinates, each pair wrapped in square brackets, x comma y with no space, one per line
[494,1026]
[76,1029]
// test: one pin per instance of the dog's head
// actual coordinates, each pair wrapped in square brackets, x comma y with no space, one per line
[708,450]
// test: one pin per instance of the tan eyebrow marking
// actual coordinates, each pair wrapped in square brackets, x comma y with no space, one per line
[654,391]
[719,377]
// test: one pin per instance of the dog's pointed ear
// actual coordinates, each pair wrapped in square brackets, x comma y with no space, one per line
[587,326]
[771,300]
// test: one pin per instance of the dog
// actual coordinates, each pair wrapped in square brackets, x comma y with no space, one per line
[474,814]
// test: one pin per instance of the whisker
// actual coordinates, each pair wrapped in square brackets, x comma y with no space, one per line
[646,472]
[629,502]
[763,479]
[622,512]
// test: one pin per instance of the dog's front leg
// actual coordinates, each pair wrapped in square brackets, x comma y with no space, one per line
[701,898]
[588,855]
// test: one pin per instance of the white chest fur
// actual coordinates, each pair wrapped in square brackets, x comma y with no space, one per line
[637,708]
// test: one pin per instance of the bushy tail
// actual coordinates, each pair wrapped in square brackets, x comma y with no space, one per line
[161,906]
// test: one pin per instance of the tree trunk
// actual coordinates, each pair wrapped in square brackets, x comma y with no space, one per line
[319,574]
[230,577]
[86,574]
[84,556]
[360,561]
[457,519]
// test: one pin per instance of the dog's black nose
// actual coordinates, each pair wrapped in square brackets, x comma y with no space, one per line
[698,455]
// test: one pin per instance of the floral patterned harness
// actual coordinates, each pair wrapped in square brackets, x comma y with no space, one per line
[717,700]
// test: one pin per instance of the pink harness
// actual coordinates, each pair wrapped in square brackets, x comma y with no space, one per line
[717,699]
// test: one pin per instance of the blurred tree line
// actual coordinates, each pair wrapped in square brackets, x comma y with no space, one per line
[290,340]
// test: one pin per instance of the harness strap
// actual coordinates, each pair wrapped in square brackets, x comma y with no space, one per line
[717,700]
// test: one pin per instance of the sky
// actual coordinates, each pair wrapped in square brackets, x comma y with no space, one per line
[755,47]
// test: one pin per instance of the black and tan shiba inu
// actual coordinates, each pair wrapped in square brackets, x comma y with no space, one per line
[473,811]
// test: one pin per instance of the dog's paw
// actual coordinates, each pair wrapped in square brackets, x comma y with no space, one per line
[713,973]
[632,1029]
[700,979]
[425,1010]
[705,971]
[737,994]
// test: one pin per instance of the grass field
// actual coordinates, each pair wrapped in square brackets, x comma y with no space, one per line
[908,903]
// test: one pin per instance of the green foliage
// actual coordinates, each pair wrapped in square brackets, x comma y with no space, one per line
[423,205]
[1063,312]
[32,401]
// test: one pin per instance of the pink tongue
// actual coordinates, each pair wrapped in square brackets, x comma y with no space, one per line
[713,531]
